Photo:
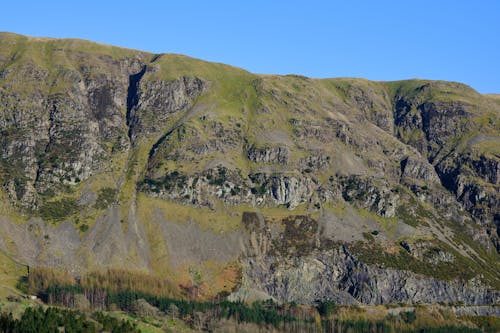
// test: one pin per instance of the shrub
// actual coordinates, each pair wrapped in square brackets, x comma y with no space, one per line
[327,308]
[142,308]
[58,210]
[105,198]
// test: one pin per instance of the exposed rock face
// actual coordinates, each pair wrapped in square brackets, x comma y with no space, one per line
[434,128]
[369,192]
[376,109]
[153,102]
[272,265]
[228,186]
[417,168]
[337,275]
[60,138]
[291,191]
[277,155]
[372,194]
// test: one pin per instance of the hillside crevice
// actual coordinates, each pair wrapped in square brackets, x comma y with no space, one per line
[133,100]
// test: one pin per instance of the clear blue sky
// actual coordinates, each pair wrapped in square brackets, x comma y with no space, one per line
[375,39]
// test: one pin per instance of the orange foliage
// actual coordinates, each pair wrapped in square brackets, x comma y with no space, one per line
[41,278]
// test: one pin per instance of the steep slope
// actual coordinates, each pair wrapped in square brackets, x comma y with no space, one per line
[256,185]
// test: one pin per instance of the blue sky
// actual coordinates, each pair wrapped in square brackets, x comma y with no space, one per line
[378,40]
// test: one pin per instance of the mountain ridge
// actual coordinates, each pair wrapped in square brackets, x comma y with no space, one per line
[155,56]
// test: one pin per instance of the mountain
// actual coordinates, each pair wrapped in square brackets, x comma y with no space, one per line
[252,186]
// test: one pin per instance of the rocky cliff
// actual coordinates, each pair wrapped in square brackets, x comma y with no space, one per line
[287,187]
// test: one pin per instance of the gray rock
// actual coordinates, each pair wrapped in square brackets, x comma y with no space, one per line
[278,155]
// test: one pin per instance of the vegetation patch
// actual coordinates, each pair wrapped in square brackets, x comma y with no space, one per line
[169,182]
[298,237]
[374,254]
[220,220]
[105,197]
[219,178]
[58,210]
[51,319]
[122,290]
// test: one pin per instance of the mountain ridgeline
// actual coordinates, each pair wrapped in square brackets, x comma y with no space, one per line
[225,182]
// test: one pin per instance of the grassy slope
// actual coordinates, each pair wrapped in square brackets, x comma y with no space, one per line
[10,274]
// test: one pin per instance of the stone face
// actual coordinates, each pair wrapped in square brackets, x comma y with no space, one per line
[278,155]
[418,168]
[336,274]
[153,102]
[113,158]
[60,137]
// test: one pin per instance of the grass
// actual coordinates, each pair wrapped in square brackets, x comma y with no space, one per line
[426,90]
[220,220]
[9,211]
[159,254]
[230,87]
[10,273]
[345,88]
[58,210]
[231,99]
[402,260]
[487,324]
[413,212]
[145,325]
[490,148]
[105,198]
[389,225]
[154,325]
[56,58]
[486,262]
[45,51]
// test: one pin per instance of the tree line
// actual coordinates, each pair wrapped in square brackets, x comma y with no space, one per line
[124,290]
[51,319]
